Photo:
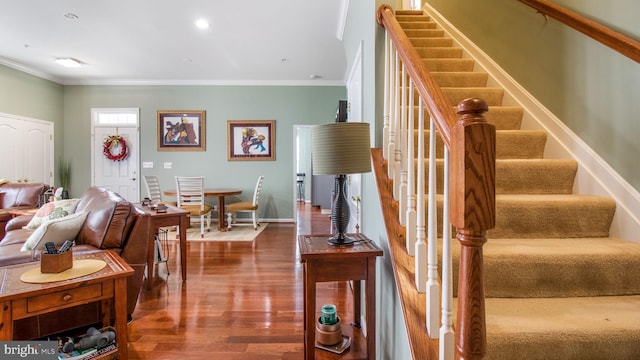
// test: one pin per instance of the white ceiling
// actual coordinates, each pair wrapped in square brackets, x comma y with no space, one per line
[156,42]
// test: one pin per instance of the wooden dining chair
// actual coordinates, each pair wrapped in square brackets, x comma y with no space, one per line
[190,195]
[246,206]
[154,192]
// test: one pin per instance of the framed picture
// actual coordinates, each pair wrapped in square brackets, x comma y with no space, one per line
[251,140]
[181,130]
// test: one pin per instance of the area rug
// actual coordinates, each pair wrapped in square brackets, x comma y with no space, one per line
[237,233]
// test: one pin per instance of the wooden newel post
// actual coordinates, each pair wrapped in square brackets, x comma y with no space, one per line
[472,185]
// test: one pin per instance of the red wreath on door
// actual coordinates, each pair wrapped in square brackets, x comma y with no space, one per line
[112,142]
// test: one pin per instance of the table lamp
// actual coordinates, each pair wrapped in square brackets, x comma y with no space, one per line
[339,149]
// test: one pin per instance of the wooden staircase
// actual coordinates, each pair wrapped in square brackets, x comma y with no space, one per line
[556,285]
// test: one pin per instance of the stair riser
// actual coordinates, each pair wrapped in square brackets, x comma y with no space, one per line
[409,25]
[432,42]
[439,52]
[509,144]
[462,79]
[522,177]
[503,117]
[517,218]
[424,33]
[449,64]
[513,276]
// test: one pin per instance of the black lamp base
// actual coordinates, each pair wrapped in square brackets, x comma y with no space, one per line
[340,214]
[341,240]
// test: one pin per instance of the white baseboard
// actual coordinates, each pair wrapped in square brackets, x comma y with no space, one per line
[594,175]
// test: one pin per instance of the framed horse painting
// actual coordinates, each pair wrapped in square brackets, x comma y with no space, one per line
[251,139]
[181,130]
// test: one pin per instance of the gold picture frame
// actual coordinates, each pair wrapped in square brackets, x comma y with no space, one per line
[182,130]
[251,140]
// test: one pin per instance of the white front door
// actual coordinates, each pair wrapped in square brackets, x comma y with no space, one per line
[119,176]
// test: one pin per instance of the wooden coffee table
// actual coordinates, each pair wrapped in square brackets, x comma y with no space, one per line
[20,300]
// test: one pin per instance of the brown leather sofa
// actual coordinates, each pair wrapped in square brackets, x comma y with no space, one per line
[112,223]
[17,196]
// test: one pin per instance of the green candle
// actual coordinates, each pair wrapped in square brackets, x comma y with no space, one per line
[329,314]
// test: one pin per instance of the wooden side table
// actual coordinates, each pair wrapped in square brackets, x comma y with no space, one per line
[323,262]
[108,286]
[173,217]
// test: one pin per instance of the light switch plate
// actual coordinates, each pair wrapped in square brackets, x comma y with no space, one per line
[147,164]
[168,165]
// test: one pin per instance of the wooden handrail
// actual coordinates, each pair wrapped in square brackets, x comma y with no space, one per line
[436,103]
[611,38]
[471,142]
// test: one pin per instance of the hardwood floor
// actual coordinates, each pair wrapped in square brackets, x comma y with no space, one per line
[242,300]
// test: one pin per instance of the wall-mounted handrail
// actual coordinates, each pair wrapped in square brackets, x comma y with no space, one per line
[611,38]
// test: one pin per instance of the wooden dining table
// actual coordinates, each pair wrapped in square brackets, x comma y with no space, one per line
[220,193]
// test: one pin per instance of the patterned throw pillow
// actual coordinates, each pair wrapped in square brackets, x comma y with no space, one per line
[56,231]
[53,210]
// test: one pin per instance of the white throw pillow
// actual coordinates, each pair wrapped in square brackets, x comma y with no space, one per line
[56,231]
[53,210]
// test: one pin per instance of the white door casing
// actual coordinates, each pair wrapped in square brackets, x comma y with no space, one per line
[354,113]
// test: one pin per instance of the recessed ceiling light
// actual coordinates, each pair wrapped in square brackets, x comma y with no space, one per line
[314,76]
[202,24]
[68,62]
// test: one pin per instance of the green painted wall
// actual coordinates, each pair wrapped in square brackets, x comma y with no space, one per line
[31,96]
[591,88]
[287,105]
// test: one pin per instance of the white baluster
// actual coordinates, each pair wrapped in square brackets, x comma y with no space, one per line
[402,190]
[398,145]
[387,74]
[433,287]
[392,112]
[447,336]
[421,245]
[410,217]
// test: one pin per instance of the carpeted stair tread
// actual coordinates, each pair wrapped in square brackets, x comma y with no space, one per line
[547,216]
[460,79]
[412,17]
[432,41]
[538,176]
[492,95]
[575,328]
[448,52]
[510,144]
[503,117]
[449,64]
[418,24]
[535,176]
[424,32]
[408,12]
[532,267]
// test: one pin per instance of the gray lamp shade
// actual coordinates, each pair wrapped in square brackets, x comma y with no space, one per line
[341,148]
